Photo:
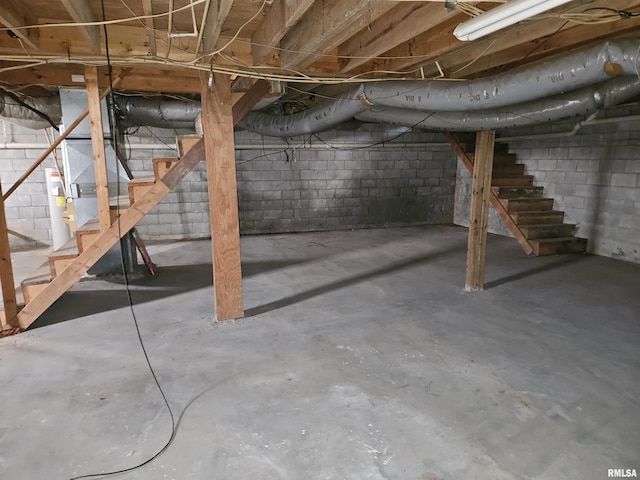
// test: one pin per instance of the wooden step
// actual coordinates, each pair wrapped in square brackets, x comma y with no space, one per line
[550,230]
[537,218]
[508,170]
[138,187]
[87,233]
[518,192]
[499,159]
[162,166]
[36,282]
[59,259]
[553,246]
[512,181]
[527,204]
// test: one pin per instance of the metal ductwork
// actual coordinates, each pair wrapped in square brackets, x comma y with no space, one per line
[17,113]
[496,101]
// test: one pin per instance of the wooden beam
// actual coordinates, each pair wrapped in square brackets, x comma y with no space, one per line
[400,25]
[217,123]
[280,18]
[15,15]
[249,99]
[147,8]
[147,79]
[6,271]
[479,218]
[107,239]
[216,15]
[325,26]
[80,12]
[97,142]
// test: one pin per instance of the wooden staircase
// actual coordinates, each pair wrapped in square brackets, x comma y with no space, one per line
[522,206]
[67,264]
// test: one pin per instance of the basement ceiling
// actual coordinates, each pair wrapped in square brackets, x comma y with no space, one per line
[162,45]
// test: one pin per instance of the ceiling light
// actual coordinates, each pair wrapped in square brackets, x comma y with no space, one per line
[503,16]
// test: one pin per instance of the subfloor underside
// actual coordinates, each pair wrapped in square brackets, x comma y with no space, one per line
[361,357]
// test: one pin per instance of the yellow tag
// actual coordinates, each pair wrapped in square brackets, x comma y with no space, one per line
[61,201]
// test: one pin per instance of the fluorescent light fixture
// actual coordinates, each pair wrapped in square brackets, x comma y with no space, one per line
[503,16]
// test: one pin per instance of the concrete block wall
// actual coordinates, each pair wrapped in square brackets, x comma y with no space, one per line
[283,186]
[593,176]
[316,187]
[27,209]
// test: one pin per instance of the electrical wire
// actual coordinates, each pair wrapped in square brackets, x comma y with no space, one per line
[135,322]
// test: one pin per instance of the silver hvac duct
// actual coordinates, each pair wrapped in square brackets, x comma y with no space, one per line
[137,111]
[16,113]
[538,81]
[579,102]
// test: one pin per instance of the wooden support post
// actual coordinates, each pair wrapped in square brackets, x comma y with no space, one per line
[217,123]
[482,167]
[6,271]
[97,141]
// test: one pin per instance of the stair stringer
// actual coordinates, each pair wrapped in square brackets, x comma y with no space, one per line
[108,238]
[497,204]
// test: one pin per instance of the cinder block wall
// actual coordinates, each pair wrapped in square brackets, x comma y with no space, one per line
[302,185]
[27,209]
[285,189]
[593,176]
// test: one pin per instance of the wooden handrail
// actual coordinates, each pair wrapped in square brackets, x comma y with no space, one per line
[55,144]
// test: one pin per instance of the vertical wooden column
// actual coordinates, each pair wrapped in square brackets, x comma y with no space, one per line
[97,141]
[217,124]
[6,271]
[481,190]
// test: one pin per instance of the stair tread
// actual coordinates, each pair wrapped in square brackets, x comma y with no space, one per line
[142,180]
[121,201]
[41,275]
[69,249]
[538,212]
[547,225]
[558,240]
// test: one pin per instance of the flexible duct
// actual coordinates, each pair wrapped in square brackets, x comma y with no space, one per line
[137,111]
[20,115]
[543,79]
[579,102]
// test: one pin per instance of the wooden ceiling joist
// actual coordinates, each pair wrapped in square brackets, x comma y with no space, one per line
[81,13]
[282,16]
[216,15]
[325,26]
[147,7]
[399,26]
[14,15]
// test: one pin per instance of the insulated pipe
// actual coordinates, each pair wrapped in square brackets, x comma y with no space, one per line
[580,102]
[20,115]
[316,119]
[537,81]
[137,111]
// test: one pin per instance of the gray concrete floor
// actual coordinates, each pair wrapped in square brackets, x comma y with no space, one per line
[361,358]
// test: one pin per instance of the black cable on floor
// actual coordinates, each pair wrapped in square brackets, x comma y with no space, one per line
[133,314]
